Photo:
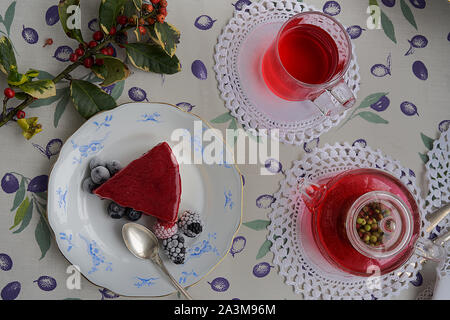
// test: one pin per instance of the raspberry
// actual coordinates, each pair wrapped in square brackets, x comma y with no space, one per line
[175,249]
[190,224]
[164,230]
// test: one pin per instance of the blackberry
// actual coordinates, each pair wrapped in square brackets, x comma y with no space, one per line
[174,248]
[115,211]
[133,215]
[190,224]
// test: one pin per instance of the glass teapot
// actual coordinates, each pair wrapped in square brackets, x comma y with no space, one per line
[365,220]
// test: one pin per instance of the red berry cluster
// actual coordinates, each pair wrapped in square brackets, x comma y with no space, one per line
[97,37]
[157,10]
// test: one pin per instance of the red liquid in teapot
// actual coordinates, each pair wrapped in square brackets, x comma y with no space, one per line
[331,214]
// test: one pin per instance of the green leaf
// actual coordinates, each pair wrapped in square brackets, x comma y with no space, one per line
[20,195]
[257,225]
[373,3]
[20,213]
[108,12]
[223,118]
[7,57]
[372,117]
[427,141]
[265,248]
[371,99]
[424,158]
[44,75]
[167,36]
[70,17]
[113,70]
[26,218]
[152,58]
[42,236]
[48,101]
[39,89]
[60,108]
[408,13]
[130,8]
[116,92]
[90,99]
[388,26]
[233,125]
[9,16]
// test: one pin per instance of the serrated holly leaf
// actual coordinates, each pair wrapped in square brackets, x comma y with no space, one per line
[427,141]
[257,225]
[264,249]
[7,57]
[89,99]
[113,70]
[20,213]
[372,117]
[108,12]
[70,18]
[152,58]
[130,9]
[39,89]
[60,108]
[388,26]
[406,10]
[48,101]
[167,36]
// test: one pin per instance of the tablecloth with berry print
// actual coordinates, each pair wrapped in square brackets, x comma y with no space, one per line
[404,61]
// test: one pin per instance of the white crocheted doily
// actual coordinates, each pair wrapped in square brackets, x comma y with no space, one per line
[237,100]
[438,175]
[291,243]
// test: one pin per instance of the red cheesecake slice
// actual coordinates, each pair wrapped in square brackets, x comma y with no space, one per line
[150,184]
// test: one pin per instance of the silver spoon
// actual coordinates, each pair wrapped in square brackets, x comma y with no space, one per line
[144,245]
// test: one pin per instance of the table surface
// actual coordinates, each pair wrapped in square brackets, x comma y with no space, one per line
[402,137]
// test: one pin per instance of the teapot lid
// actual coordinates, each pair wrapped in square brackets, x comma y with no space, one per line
[379,225]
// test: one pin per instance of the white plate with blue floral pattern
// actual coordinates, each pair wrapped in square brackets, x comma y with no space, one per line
[91,240]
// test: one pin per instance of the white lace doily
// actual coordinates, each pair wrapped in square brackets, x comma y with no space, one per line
[291,251]
[438,176]
[236,98]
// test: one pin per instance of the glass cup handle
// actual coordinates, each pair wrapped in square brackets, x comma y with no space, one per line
[335,100]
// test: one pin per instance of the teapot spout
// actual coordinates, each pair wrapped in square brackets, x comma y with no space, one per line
[312,194]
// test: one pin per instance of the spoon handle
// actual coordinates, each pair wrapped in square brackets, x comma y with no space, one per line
[159,262]
[438,216]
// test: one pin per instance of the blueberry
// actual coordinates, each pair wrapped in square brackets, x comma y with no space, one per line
[38,184]
[11,291]
[198,69]
[89,185]
[5,262]
[96,162]
[388,3]
[10,184]
[133,215]
[100,175]
[238,245]
[30,35]
[113,166]
[63,53]
[115,211]
[46,283]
